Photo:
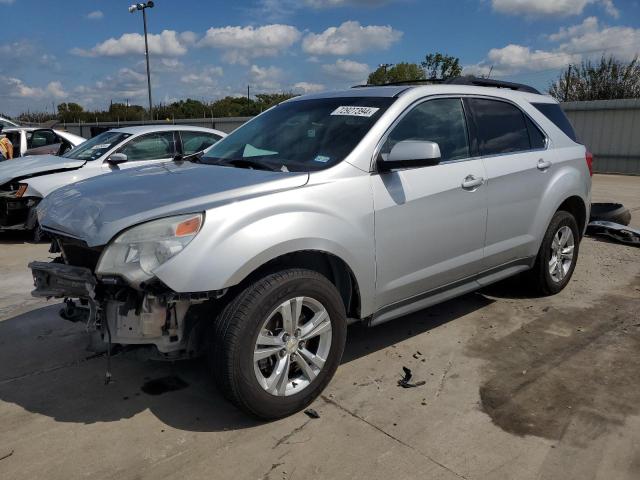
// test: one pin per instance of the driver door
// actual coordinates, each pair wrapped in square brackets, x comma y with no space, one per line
[148,149]
[429,228]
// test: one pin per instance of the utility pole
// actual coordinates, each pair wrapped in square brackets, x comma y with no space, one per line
[143,7]
[248,94]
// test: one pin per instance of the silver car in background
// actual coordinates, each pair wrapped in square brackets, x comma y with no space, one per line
[24,182]
[359,205]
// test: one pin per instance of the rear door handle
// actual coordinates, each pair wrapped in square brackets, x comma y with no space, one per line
[471,182]
[544,164]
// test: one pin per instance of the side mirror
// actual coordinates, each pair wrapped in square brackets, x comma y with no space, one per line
[411,154]
[117,158]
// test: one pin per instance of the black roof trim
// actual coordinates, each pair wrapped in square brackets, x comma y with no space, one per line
[466,80]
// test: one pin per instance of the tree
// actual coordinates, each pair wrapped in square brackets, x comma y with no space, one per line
[438,66]
[608,79]
[401,72]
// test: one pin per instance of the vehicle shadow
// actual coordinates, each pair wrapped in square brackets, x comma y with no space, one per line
[17,237]
[45,369]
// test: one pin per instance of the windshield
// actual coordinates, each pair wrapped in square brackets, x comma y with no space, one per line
[300,136]
[97,146]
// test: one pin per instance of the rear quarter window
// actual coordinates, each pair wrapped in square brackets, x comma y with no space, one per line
[554,113]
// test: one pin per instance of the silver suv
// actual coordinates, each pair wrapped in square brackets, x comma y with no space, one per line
[359,205]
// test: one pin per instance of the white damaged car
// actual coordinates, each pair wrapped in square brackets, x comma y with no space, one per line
[24,182]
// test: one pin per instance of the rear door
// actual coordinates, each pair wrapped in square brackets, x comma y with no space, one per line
[517,163]
[429,222]
[148,149]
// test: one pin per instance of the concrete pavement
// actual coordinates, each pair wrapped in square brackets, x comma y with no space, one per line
[516,387]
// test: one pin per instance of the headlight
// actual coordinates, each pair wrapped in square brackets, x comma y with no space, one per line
[137,252]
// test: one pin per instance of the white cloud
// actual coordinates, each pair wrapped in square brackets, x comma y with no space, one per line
[349,38]
[15,88]
[168,43]
[306,87]
[244,43]
[538,8]
[6,2]
[347,69]
[265,78]
[589,39]
[95,15]
[55,89]
[205,77]
[573,44]
[345,3]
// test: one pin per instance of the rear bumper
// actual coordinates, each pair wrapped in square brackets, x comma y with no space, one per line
[57,280]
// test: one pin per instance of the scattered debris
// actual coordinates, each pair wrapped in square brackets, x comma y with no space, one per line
[610,212]
[4,457]
[619,232]
[311,413]
[164,385]
[404,382]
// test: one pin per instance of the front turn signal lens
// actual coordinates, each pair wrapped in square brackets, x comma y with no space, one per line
[189,227]
[22,188]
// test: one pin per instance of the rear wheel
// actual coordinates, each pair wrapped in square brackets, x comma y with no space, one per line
[278,343]
[557,256]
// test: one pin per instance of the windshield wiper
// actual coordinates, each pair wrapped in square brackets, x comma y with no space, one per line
[193,157]
[245,163]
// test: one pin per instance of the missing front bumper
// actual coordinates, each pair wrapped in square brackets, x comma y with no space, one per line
[57,280]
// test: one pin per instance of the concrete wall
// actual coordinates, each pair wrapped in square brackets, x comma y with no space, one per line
[88,130]
[611,131]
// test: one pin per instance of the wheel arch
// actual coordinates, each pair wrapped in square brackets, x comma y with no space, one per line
[334,268]
[576,207]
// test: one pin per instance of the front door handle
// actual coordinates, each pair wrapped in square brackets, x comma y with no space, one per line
[544,165]
[471,182]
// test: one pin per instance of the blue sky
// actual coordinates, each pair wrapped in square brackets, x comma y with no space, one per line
[90,51]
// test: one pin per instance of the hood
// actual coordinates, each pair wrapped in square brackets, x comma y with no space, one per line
[24,167]
[97,209]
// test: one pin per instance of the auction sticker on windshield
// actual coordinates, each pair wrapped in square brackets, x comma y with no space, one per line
[355,111]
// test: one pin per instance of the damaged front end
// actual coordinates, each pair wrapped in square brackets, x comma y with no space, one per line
[117,313]
[16,211]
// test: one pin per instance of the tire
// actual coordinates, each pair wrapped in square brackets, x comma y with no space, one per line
[541,278]
[255,310]
[610,212]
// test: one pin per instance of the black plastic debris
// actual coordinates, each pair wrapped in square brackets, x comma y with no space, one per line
[311,413]
[405,382]
[620,233]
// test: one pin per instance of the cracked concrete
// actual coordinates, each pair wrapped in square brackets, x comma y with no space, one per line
[501,370]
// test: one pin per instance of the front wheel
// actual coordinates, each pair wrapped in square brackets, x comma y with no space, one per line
[557,256]
[278,343]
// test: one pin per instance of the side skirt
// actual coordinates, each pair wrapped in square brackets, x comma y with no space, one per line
[452,290]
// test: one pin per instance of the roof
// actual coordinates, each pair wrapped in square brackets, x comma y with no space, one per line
[162,128]
[438,89]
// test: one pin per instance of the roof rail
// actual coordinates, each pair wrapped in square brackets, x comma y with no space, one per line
[487,82]
[466,80]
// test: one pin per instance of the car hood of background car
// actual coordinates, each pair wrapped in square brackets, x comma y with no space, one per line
[25,167]
[97,209]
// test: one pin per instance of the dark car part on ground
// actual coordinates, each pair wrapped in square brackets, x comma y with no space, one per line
[610,212]
[621,233]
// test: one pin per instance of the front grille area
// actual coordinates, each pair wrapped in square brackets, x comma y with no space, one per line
[78,254]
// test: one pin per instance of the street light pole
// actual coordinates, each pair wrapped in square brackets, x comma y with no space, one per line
[143,7]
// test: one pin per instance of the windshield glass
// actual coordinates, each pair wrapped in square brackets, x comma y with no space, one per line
[97,146]
[300,136]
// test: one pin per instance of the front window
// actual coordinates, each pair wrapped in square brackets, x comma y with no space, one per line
[97,146]
[300,136]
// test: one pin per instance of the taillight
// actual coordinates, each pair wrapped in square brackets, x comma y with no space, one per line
[589,158]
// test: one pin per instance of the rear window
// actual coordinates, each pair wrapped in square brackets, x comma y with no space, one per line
[554,113]
[501,127]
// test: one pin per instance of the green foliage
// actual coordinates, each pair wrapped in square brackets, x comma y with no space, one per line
[607,79]
[189,108]
[441,66]
[401,72]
